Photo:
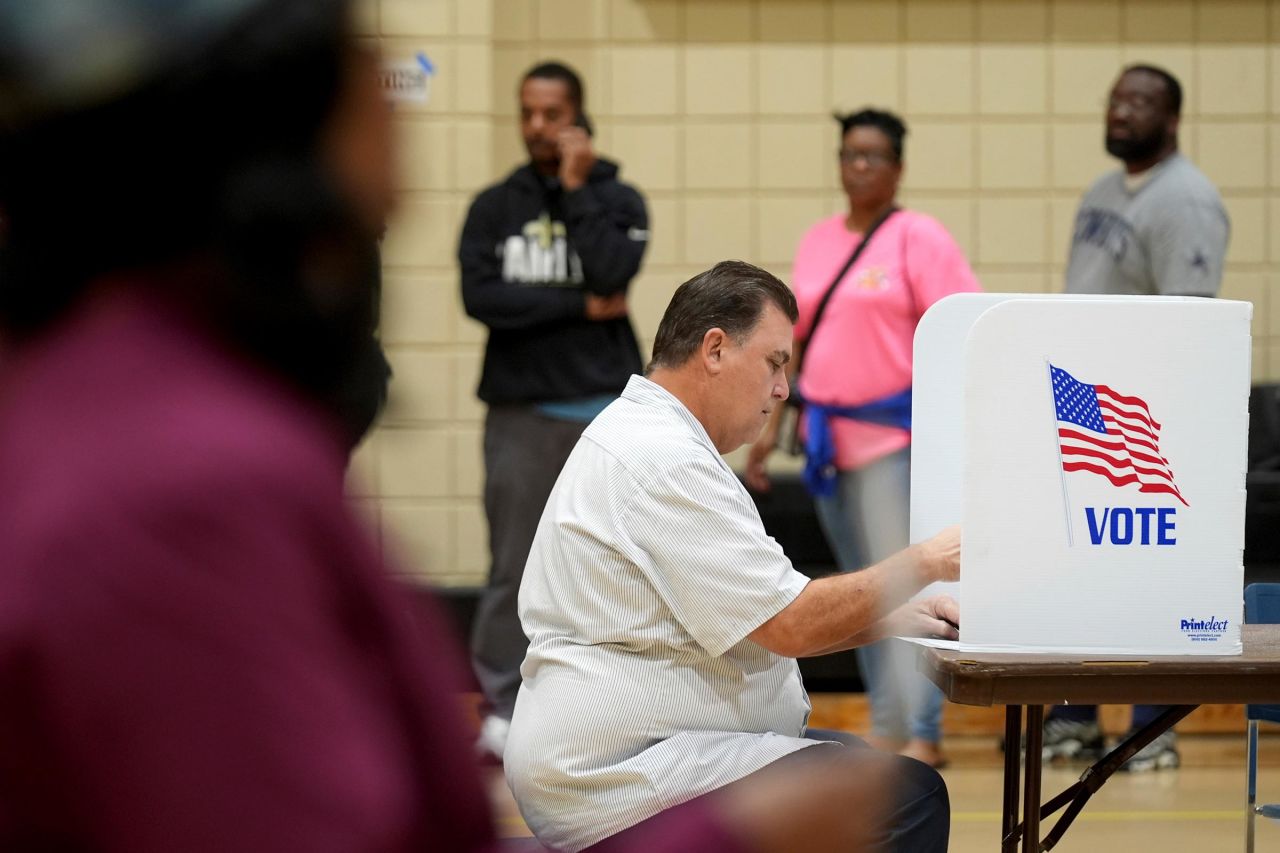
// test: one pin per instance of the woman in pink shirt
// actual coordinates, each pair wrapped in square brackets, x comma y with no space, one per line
[856,374]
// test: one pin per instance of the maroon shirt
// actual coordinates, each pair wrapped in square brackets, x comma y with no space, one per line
[199,649]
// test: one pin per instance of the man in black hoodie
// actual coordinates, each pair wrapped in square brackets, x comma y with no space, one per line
[547,256]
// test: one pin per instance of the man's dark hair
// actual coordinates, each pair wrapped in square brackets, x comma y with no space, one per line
[1172,87]
[563,73]
[882,120]
[731,296]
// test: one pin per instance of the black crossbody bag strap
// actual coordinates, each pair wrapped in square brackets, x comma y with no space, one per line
[794,400]
[835,282]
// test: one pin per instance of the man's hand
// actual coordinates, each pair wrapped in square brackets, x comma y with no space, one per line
[938,616]
[843,611]
[576,157]
[756,475]
[599,308]
[940,556]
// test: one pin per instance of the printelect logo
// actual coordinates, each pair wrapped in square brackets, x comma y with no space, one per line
[1209,624]
[1209,630]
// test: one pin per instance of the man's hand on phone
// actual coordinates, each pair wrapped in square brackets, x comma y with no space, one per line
[606,307]
[576,157]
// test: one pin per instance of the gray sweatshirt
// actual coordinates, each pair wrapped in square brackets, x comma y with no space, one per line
[1168,235]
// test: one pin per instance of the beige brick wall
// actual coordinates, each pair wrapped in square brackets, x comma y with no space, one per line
[719,111]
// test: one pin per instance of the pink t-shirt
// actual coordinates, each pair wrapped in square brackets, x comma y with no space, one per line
[862,349]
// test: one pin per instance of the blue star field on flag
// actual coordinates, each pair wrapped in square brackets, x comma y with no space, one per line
[1076,402]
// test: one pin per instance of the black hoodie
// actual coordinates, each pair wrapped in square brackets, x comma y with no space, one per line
[529,253]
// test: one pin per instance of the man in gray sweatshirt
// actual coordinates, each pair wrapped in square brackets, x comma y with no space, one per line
[1155,227]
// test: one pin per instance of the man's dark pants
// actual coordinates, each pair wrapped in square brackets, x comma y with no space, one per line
[523,454]
[918,817]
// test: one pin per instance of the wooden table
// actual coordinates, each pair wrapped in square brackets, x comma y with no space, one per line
[1034,681]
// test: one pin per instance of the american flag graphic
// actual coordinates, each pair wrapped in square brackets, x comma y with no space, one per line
[1109,434]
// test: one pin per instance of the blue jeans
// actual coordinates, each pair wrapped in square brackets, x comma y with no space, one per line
[867,520]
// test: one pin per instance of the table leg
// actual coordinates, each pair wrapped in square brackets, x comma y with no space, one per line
[1031,790]
[1012,778]
[1074,797]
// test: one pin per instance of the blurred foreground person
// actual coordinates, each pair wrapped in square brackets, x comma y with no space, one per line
[199,649]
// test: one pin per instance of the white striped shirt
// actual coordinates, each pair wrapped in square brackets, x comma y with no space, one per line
[649,568]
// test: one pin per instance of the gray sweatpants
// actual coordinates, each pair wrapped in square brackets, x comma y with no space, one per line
[524,451]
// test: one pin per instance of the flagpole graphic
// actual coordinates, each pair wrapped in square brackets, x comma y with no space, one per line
[1062,471]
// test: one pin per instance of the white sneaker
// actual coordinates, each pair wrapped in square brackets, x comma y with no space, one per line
[1072,740]
[1160,754]
[493,737]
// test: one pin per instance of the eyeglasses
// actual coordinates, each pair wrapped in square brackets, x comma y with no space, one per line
[1134,103]
[873,159]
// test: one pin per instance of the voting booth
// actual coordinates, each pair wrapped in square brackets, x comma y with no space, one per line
[1094,451]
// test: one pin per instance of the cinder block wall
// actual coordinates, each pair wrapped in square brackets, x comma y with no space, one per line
[720,111]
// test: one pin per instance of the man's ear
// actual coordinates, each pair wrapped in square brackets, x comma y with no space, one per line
[712,349]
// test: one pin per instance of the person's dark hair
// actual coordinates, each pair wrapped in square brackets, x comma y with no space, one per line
[206,172]
[731,296]
[1172,87]
[886,122]
[563,73]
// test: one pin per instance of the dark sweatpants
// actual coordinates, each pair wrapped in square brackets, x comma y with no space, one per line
[523,454]
[919,810]
[919,817]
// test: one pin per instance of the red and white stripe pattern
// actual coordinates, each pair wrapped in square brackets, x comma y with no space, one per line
[1110,434]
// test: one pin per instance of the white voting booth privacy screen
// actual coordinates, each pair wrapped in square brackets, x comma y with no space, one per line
[1094,451]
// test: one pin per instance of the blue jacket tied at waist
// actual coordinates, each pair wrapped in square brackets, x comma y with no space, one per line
[820,449]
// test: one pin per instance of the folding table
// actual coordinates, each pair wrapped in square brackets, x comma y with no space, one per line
[1035,680]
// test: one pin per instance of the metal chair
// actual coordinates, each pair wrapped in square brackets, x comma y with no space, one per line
[1261,606]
